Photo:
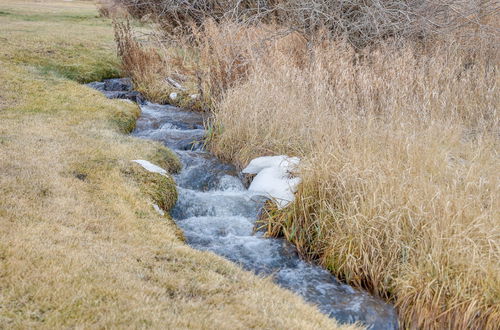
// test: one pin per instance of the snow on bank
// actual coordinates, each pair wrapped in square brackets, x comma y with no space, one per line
[274,178]
[157,209]
[150,166]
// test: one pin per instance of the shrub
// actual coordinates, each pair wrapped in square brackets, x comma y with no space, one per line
[359,21]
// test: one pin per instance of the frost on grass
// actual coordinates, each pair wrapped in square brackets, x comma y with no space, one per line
[274,179]
[150,167]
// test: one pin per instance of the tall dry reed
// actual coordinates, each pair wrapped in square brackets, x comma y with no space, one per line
[400,168]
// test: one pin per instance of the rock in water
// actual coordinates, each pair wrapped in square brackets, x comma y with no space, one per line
[118,85]
[132,96]
[118,89]
[97,85]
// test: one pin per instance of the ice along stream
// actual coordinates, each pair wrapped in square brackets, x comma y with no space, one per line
[218,214]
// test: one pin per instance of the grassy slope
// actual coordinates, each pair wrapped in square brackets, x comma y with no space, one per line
[80,244]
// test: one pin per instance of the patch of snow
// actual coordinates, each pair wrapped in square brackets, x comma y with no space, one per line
[284,162]
[273,178]
[160,211]
[194,96]
[150,167]
[173,96]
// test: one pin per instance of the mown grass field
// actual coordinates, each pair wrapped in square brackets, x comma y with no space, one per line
[80,244]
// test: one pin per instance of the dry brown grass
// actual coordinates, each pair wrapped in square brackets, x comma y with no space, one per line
[143,64]
[80,244]
[400,171]
[210,61]
[399,143]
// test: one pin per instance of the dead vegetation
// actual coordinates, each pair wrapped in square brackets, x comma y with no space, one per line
[360,22]
[393,108]
[400,176]
[80,243]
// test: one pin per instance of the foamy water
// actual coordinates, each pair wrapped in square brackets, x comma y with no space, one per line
[218,214]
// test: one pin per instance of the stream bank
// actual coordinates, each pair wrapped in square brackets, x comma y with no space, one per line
[218,214]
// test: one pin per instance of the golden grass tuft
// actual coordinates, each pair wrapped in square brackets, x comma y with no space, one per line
[160,188]
[144,65]
[400,187]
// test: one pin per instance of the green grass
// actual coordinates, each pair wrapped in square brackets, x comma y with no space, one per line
[56,42]
[29,17]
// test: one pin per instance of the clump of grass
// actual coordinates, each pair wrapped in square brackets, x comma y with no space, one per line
[399,166]
[143,65]
[160,188]
[165,158]
[207,63]
[150,69]
[125,120]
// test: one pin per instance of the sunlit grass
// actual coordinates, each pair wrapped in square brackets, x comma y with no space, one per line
[399,149]
[56,41]
[80,243]
[400,172]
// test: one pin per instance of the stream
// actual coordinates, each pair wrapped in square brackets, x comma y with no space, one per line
[217,214]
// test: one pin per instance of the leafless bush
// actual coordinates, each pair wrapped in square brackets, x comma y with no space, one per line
[364,21]
[360,21]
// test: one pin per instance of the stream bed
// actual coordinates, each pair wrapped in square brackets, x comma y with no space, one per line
[217,214]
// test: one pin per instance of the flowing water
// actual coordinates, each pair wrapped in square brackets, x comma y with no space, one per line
[218,214]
